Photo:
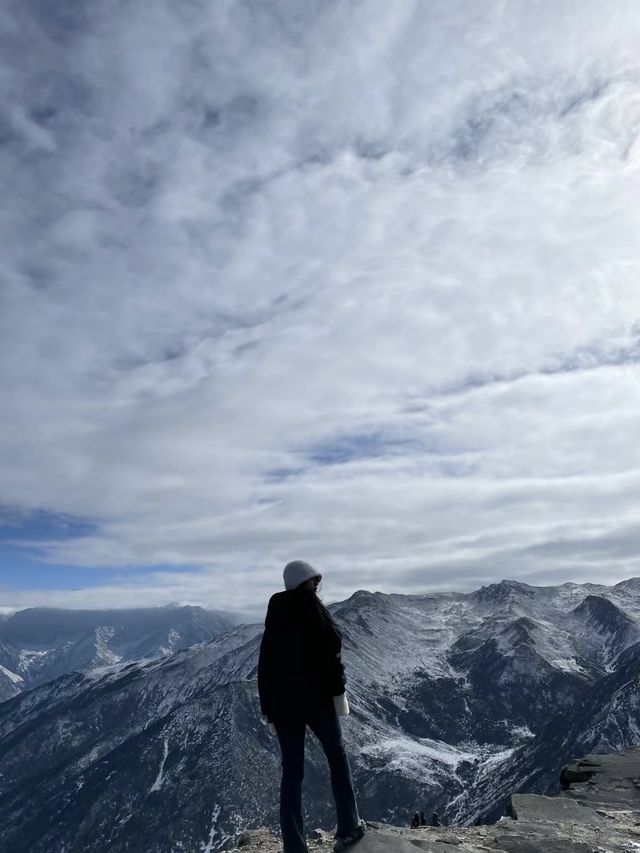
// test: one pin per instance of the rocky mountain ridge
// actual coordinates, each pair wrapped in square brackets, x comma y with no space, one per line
[457,700]
[39,644]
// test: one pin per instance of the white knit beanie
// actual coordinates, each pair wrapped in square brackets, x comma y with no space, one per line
[298,572]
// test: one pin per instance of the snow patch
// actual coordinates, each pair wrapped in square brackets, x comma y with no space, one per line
[103,634]
[27,656]
[522,732]
[157,785]
[207,847]
[567,665]
[410,756]
[496,759]
[12,676]
[174,641]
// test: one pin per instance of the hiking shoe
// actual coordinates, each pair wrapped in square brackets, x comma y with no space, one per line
[343,841]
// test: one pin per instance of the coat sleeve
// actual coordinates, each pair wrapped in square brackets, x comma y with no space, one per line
[266,666]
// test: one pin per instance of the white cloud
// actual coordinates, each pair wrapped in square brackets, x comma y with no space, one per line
[399,237]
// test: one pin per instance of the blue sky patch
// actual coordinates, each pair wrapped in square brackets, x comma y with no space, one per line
[360,446]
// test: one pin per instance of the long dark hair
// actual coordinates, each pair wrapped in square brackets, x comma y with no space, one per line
[326,617]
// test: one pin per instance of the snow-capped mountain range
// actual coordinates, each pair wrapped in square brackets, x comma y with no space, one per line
[40,643]
[457,700]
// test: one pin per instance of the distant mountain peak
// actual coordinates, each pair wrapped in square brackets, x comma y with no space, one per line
[362,595]
[601,610]
[519,630]
[42,643]
[603,617]
[504,590]
[358,599]
[629,584]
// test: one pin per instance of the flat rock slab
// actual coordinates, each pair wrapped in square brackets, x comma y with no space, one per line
[543,837]
[374,841]
[609,781]
[555,809]
[380,836]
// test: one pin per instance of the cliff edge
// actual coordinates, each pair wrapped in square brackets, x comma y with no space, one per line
[598,810]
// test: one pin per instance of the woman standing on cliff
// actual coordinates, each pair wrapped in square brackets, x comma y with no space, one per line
[301,683]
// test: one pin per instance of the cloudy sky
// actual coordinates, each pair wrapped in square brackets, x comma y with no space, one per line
[352,282]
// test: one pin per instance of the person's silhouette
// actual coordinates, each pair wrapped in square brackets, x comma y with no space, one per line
[301,682]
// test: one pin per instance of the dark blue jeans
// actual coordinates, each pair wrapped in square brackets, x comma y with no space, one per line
[291,736]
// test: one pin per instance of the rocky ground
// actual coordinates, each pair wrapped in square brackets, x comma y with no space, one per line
[597,812]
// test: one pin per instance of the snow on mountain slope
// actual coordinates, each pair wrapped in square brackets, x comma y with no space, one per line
[10,683]
[39,644]
[606,720]
[515,648]
[605,628]
[454,698]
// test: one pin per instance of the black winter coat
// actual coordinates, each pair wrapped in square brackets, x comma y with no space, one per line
[300,668]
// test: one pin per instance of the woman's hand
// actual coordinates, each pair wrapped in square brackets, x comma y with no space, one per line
[341,705]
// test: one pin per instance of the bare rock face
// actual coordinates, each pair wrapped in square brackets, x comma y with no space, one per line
[598,810]
[528,807]
[258,839]
[604,781]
